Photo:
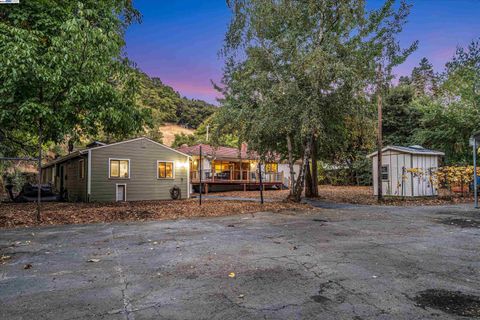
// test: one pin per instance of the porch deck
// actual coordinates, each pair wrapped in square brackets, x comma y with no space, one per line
[229,180]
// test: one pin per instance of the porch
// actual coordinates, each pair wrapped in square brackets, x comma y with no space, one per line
[235,175]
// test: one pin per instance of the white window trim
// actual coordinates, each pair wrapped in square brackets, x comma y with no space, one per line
[110,159]
[173,169]
[116,191]
[388,172]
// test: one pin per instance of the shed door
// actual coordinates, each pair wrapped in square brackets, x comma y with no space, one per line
[121,192]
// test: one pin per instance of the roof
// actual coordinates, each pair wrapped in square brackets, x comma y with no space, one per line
[418,150]
[218,152]
[103,145]
[476,135]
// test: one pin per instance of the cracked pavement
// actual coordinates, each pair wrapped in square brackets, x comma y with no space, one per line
[352,262]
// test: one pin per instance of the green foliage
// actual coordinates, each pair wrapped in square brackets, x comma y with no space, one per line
[216,135]
[448,120]
[64,71]
[400,117]
[182,138]
[423,79]
[296,71]
[166,105]
[160,99]
[192,113]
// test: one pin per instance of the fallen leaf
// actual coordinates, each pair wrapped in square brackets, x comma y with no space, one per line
[93,260]
[3,259]
[231,274]
[27,266]
[241,296]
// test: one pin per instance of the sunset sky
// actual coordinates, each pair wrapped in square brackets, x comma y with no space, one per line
[178,40]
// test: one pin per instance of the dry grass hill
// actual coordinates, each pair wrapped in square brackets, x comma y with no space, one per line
[169,130]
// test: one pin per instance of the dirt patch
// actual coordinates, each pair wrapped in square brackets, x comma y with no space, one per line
[462,223]
[23,214]
[452,302]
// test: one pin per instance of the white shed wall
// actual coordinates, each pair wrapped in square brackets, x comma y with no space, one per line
[412,185]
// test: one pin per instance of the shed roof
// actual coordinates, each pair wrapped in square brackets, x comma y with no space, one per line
[419,150]
[476,135]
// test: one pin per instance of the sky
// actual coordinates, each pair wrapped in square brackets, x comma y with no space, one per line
[179,40]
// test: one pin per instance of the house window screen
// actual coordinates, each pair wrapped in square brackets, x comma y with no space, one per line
[165,170]
[119,169]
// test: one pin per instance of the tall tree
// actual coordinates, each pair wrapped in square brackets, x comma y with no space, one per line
[65,74]
[400,117]
[423,79]
[289,64]
[449,119]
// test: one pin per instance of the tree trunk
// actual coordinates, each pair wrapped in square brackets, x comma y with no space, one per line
[297,194]
[308,181]
[314,169]
[379,138]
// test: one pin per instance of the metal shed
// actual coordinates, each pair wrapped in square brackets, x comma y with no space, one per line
[406,171]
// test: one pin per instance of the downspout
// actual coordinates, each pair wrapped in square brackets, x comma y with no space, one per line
[89,175]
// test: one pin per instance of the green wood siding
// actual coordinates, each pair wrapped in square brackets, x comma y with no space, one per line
[76,188]
[143,183]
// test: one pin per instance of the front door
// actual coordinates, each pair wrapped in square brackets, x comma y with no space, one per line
[121,192]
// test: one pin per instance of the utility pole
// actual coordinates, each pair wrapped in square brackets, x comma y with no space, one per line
[208,127]
[379,135]
[200,175]
[475,177]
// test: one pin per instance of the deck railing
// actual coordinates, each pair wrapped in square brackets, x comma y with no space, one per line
[236,176]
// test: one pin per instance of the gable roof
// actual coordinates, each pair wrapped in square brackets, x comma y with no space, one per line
[218,152]
[79,153]
[418,150]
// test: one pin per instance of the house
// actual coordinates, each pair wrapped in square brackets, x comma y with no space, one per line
[406,171]
[131,170]
[225,168]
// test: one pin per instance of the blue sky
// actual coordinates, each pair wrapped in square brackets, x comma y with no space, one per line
[178,40]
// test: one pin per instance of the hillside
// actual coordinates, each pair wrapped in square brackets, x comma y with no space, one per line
[169,130]
[167,106]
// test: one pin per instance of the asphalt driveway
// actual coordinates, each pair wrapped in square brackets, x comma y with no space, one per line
[342,263]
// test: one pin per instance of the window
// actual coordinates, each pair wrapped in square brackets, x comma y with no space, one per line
[165,170]
[271,167]
[221,166]
[81,169]
[120,168]
[385,173]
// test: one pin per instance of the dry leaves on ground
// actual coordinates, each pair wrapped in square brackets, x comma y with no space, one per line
[23,214]
[355,195]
